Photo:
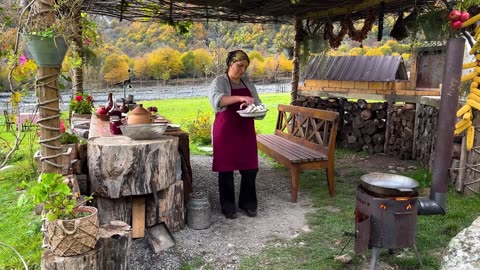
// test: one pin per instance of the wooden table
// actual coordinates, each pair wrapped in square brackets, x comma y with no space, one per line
[99,128]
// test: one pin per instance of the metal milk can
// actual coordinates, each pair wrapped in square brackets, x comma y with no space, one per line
[198,211]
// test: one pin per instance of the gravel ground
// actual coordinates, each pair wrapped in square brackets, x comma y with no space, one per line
[226,240]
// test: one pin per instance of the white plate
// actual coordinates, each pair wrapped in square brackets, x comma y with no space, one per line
[173,126]
[252,114]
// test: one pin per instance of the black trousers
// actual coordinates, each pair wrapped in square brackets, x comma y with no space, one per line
[248,194]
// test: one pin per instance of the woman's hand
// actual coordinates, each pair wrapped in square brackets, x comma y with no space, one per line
[245,101]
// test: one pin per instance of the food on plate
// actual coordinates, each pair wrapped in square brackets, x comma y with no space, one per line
[252,108]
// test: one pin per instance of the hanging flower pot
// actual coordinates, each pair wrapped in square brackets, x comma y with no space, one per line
[288,51]
[317,44]
[46,51]
[432,24]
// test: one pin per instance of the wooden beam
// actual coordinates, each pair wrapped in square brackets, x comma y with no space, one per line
[345,9]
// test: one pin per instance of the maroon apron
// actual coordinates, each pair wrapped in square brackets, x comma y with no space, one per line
[234,138]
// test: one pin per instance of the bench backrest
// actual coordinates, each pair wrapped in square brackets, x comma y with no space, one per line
[313,128]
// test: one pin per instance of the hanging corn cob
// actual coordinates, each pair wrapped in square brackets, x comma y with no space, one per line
[458,20]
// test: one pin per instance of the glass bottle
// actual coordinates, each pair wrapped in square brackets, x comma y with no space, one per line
[115,123]
[110,104]
[115,111]
[123,108]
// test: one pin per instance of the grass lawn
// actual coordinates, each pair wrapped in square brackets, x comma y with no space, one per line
[316,249]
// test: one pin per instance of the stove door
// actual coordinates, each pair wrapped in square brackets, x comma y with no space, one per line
[362,232]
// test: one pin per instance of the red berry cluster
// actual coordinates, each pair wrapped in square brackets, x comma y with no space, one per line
[152,109]
[457,17]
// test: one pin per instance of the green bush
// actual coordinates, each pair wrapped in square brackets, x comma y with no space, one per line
[200,129]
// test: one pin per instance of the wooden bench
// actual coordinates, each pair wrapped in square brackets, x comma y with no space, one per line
[304,138]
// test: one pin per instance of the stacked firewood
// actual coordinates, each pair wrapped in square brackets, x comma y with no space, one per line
[427,122]
[400,131]
[363,126]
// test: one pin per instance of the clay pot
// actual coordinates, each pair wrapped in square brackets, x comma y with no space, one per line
[139,116]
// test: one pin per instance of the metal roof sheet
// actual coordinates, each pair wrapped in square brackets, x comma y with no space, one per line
[356,68]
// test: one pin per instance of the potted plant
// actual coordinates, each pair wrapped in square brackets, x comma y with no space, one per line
[71,228]
[46,47]
[81,105]
[47,41]
[283,41]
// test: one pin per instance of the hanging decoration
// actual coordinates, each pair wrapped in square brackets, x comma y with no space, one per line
[381,14]
[360,35]
[335,40]
[399,31]
[347,27]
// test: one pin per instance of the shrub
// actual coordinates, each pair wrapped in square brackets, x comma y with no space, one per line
[200,129]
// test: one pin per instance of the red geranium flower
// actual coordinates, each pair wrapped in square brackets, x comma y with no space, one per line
[89,98]
[62,127]
[78,98]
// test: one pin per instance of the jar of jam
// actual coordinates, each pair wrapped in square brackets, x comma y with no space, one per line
[115,123]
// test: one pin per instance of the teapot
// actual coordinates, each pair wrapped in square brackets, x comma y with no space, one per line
[139,116]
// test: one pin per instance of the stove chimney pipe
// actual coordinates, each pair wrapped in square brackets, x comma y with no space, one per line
[452,71]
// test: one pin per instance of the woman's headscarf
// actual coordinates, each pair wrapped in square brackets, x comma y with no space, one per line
[235,56]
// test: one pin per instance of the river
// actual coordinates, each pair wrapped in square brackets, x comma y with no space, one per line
[152,92]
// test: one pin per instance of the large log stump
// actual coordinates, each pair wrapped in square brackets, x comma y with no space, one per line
[170,207]
[88,261]
[116,239]
[119,166]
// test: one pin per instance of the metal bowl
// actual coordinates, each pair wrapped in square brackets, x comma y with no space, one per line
[143,131]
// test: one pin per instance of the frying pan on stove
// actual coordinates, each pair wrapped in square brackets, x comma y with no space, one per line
[389,184]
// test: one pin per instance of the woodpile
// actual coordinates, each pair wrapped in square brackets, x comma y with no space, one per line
[400,131]
[425,133]
[396,129]
[364,126]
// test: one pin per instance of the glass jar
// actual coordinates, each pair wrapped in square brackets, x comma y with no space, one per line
[115,123]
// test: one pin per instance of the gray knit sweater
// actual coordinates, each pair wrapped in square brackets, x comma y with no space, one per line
[221,87]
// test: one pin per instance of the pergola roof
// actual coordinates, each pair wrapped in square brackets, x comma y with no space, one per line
[255,11]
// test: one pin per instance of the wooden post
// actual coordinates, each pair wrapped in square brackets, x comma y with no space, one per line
[138,217]
[46,89]
[296,56]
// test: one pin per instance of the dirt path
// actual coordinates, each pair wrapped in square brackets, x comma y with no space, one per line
[223,244]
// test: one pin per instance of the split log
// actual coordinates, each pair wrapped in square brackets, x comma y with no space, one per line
[113,209]
[168,208]
[358,122]
[119,166]
[366,114]
[379,106]
[362,104]
[116,239]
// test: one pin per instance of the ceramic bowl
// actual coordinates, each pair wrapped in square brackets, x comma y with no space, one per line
[143,131]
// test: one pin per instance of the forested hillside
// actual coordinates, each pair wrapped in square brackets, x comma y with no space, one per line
[157,51]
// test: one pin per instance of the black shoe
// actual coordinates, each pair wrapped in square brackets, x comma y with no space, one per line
[230,215]
[250,212]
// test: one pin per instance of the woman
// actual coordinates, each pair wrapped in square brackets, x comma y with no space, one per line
[234,139]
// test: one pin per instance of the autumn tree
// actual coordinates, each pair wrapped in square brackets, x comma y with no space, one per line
[140,67]
[256,69]
[188,61]
[115,69]
[164,63]
[202,63]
